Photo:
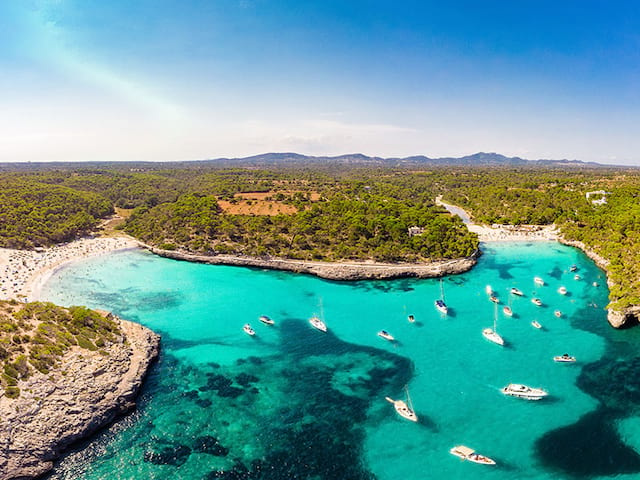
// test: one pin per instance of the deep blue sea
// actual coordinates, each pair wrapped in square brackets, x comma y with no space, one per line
[295,403]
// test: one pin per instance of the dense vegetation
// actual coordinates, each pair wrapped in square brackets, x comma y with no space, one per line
[36,214]
[34,336]
[335,211]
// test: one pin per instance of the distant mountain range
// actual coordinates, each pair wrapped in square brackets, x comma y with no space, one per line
[288,158]
[479,159]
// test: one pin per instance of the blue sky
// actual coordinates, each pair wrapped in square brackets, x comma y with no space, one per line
[176,80]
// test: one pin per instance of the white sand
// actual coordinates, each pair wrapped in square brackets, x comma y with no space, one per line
[23,273]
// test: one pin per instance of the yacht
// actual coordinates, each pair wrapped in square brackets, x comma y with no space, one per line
[317,323]
[562,291]
[536,324]
[492,336]
[523,391]
[515,291]
[441,306]
[386,335]
[536,301]
[248,330]
[557,313]
[404,409]
[266,320]
[564,358]
[507,311]
[493,298]
[538,281]
[466,453]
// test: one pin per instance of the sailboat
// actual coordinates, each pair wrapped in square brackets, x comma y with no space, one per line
[404,409]
[440,305]
[492,335]
[317,322]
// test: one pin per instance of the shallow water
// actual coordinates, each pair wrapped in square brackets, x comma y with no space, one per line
[294,403]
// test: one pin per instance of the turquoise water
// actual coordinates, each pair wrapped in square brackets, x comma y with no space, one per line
[294,403]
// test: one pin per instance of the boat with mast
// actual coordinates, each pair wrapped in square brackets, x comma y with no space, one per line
[492,335]
[318,322]
[439,303]
[404,409]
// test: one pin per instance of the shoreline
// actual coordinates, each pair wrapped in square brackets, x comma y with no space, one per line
[23,273]
[340,271]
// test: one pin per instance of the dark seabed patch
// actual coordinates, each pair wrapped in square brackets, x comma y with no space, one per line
[590,447]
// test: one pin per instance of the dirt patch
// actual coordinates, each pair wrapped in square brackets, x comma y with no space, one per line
[256,207]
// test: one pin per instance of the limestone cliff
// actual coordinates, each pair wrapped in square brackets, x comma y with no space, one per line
[87,390]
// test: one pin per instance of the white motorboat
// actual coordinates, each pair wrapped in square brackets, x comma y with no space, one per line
[523,391]
[577,277]
[573,268]
[466,453]
[386,335]
[515,291]
[507,311]
[404,409]
[536,324]
[248,330]
[488,289]
[411,319]
[562,291]
[492,334]
[557,313]
[564,358]
[317,323]
[538,281]
[536,301]
[266,320]
[595,284]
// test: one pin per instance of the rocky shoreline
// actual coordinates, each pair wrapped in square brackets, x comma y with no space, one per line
[88,391]
[332,271]
[626,318]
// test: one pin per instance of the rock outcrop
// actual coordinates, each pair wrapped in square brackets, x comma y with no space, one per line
[87,391]
[333,271]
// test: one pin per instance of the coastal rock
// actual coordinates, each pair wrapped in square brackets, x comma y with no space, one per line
[333,271]
[87,391]
[629,317]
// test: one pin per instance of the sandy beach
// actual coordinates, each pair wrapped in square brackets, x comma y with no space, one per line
[23,273]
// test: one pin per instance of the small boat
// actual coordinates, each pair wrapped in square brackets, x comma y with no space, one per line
[536,301]
[557,313]
[562,291]
[386,335]
[317,323]
[466,453]
[535,324]
[492,334]
[266,320]
[488,289]
[595,284]
[441,306]
[404,409]
[522,391]
[564,358]
[515,291]
[573,268]
[493,298]
[538,281]
[577,277]
[507,311]
[248,330]
[411,318]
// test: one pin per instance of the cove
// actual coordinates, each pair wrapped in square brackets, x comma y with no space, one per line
[294,403]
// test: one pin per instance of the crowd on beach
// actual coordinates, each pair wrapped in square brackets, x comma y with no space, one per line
[507,233]
[22,270]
